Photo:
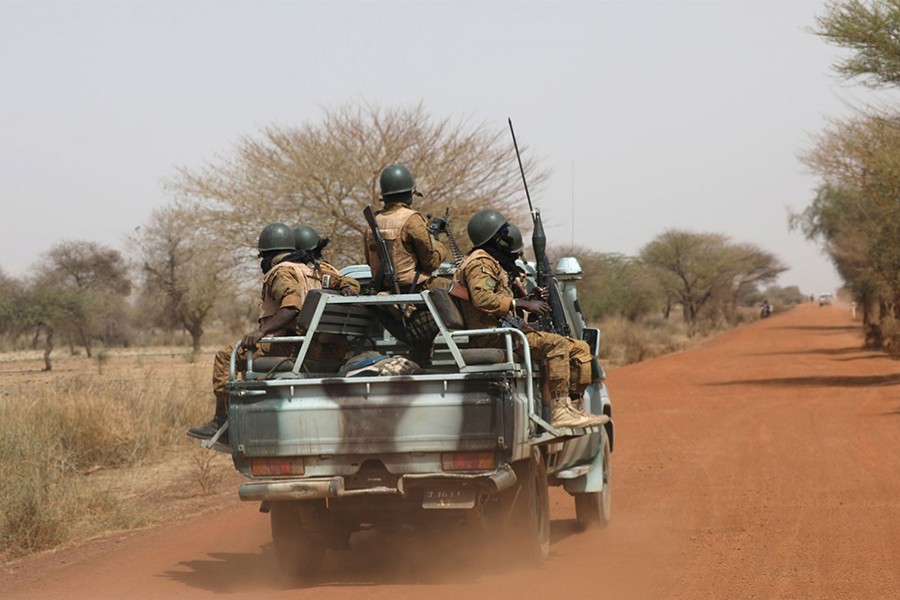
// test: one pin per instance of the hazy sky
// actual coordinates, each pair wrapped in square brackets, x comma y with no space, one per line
[652,115]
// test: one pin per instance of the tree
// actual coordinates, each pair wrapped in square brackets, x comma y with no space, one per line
[326,174]
[704,271]
[96,278]
[872,31]
[856,212]
[185,276]
[617,285]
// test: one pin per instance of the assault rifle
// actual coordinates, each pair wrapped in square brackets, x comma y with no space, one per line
[441,224]
[556,320]
[387,266]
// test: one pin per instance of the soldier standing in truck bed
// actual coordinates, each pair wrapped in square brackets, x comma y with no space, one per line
[288,275]
[485,276]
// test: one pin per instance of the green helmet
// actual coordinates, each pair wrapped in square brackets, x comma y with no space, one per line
[306,238]
[395,180]
[517,244]
[484,225]
[276,236]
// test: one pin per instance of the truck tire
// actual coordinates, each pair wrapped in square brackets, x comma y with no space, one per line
[530,517]
[592,509]
[298,547]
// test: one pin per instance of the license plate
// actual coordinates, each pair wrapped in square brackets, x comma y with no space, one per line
[448,497]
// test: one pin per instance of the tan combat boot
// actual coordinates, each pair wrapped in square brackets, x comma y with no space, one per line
[566,415]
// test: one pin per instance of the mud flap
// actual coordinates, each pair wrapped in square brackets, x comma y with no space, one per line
[592,481]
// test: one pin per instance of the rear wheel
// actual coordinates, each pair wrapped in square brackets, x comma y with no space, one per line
[530,517]
[298,547]
[592,509]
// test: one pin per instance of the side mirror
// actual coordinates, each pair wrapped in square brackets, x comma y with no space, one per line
[591,335]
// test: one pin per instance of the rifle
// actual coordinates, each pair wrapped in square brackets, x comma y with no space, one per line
[556,321]
[441,224]
[387,266]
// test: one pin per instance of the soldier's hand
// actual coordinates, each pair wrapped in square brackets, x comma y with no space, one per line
[541,293]
[535,307]
[346,291]
[250,340]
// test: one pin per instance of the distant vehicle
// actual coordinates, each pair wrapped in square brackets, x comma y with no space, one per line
[766,309]
[825,299]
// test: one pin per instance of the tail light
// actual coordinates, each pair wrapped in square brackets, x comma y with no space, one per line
[277,466]
[468,461]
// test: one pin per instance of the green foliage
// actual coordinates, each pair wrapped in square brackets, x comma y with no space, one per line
[617,286]
[705,272]
[871,30]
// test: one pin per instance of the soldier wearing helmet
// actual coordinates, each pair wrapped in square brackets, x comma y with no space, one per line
[288,275]
[307,239]
[413,251]
[485,275]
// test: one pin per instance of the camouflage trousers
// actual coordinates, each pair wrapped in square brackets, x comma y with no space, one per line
[568,361]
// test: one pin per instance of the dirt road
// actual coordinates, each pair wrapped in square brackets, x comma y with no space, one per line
[764,464]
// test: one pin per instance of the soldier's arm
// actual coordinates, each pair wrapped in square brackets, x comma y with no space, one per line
[429,252]
[290,295]
[483,281]
[333,280]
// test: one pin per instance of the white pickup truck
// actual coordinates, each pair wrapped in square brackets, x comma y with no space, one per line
[464,440]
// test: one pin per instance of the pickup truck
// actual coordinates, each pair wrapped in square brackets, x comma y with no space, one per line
[329,452]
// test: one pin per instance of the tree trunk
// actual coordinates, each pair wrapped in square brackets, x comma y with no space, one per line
[48,348]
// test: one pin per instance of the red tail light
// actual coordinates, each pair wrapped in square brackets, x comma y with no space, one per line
[278,466]
[468,461]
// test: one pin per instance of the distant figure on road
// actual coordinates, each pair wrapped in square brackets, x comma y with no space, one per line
[853,309]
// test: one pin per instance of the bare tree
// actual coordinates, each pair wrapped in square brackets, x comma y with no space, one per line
[186,273]
[324,175]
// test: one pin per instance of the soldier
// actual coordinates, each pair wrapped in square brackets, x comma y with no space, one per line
[580,357]
[485,275]
[288,275]
[307,239]
[413,251]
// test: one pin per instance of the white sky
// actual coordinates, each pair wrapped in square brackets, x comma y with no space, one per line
[668,114]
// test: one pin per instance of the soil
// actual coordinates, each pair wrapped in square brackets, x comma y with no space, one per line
[762,464]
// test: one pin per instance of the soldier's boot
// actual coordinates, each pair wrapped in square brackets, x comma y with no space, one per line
[209,429]
[566,415]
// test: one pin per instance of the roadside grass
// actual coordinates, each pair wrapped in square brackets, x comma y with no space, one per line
[59,429]
[624,342]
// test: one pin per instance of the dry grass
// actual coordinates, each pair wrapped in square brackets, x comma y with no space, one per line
[61,428]
[625,342]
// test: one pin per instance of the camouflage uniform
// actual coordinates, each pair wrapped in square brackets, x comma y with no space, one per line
[491,297]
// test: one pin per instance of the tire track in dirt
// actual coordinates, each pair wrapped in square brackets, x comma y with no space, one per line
[762,464]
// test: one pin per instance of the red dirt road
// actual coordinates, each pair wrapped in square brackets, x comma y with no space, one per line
[764,464]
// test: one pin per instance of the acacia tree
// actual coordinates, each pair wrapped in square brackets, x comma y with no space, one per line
[856,211]
[97,278]
[185,277]
[872,31]
[325,174]
[702,270]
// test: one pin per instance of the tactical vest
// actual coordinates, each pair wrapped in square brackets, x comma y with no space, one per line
[477,319]
[391,226]
[308,279]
